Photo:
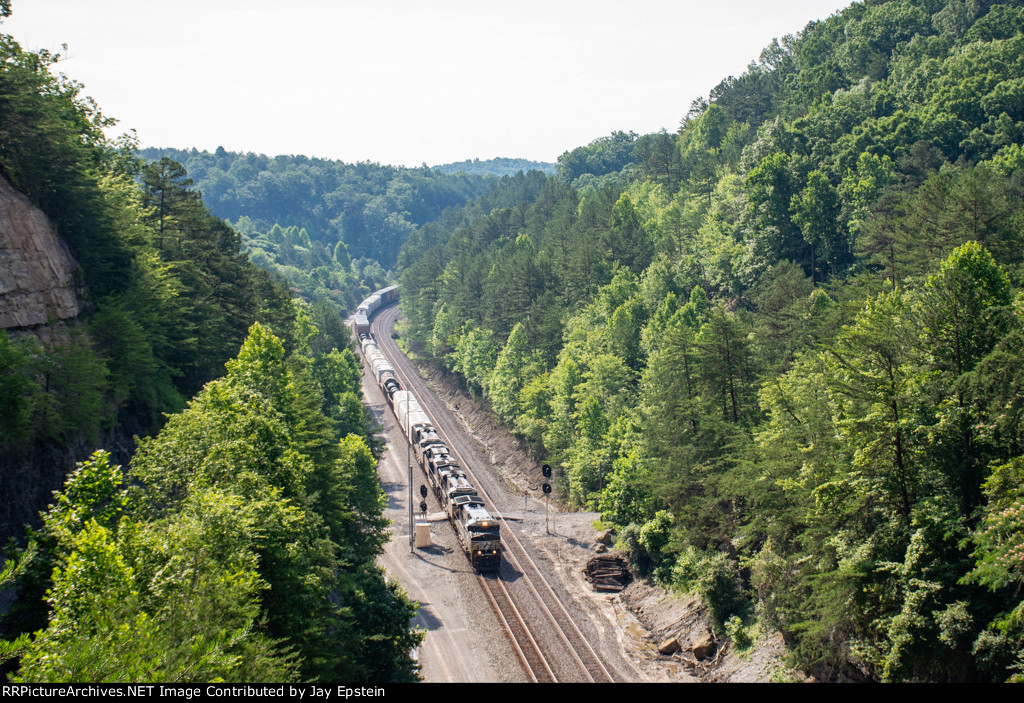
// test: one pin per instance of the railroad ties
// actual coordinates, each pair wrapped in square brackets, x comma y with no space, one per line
[608,573]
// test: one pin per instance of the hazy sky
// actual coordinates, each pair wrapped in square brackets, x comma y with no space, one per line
[402,81]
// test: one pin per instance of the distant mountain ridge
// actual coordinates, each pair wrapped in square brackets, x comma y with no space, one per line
[497,167]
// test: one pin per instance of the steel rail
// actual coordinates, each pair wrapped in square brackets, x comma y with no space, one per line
[545,676]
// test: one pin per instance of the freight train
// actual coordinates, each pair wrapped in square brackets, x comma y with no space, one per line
[479,533]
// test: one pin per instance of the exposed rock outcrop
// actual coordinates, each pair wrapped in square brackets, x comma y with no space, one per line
[37,270]
[38,297]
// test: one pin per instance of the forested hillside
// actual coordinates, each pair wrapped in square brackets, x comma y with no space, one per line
[780,349]
[495,167]
[331,230]
[370,207]
[239,543]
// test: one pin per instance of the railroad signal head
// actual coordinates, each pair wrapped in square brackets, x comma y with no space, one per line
[546,470]
[546,488]
[423,491]
[423,506]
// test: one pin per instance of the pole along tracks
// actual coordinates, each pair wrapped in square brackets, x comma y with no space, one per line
[544,633]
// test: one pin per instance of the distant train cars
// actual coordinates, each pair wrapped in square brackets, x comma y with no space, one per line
[478,532]
[366,309]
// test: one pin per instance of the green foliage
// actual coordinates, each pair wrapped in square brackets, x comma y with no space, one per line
[475,356]
[507,379]
[138,380]
[536,416]
[244,550]
[738,634]
[654,535]
[999,540]
[714,577]
[607,156]
[628,542]
[816,213]
[496,167]
[319,272]
[962,307]
[370,207]
[629,496]
[793,327]
[771,188]
[92,493]
[872,376]
[74,379]
[17,386]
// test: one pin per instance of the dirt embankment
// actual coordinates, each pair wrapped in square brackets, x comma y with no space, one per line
[664,634]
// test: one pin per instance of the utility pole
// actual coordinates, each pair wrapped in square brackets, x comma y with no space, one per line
[408,461]
[546,488]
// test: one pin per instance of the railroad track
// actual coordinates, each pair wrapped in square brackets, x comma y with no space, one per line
[543,632]
[526,646]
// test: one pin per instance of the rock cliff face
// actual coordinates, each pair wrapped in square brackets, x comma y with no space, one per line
[38,297]
[37,271]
